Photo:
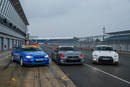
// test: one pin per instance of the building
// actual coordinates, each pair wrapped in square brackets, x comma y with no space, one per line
[69,40]
[13,24]
[119,40]
[119,36]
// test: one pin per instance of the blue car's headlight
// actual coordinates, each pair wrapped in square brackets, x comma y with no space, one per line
[46,56]
[28,56]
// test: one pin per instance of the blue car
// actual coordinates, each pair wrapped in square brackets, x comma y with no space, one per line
[29,54]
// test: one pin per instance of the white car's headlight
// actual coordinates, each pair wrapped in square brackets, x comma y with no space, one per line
[29,56]
[95,55]
[115,55]
[94,59]
[46,56]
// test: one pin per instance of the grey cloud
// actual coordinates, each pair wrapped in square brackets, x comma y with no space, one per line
[48,8]
[59,18]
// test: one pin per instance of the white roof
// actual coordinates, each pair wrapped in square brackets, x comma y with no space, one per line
[103,46]
[65,46]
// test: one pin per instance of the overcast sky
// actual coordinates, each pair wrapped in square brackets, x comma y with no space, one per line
[68,18]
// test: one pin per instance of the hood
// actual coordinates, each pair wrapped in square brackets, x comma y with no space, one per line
[105,53]
[70,53]
[34,53]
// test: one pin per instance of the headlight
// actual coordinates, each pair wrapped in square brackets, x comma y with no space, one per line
[94,59]
[95,55]
[115,55]
[29,56]
[46,56]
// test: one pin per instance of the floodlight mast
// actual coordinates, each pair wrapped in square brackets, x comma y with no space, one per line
[104,29]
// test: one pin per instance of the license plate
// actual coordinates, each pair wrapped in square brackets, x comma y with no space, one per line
[105,59]
[39,60]
[73,58]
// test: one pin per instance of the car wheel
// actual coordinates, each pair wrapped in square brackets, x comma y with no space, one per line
[117,63]
[53,58]
[57,61]
[81,63]
[95,62]
[12,58]
[21,61]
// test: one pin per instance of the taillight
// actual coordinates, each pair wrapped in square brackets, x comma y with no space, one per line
[61,55]
[81,55]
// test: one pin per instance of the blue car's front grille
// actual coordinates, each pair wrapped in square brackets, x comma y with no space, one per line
[39,57]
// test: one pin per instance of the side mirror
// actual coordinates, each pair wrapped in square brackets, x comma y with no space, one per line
[115,50]
[92,50]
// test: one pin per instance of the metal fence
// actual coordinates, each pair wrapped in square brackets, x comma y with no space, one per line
[119,42]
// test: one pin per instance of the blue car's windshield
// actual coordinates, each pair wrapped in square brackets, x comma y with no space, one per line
[31,49]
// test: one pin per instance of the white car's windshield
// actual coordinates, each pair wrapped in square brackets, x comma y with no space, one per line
[103,49]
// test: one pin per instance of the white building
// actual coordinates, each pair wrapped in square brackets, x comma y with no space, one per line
[13,24]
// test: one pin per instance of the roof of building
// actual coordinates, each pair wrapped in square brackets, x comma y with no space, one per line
[103,46]
[119,37]
[120,32]
[64,46]
[19,9]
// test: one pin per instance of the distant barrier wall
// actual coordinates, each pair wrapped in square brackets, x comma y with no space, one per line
[121,43]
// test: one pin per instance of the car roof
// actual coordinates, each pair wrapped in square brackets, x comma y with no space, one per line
[29,45]
[64,46]
[103,46]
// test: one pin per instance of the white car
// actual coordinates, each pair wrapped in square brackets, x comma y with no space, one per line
[104,54]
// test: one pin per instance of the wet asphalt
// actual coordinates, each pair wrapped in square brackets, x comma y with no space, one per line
[86,75]
[13,75]
[95,75]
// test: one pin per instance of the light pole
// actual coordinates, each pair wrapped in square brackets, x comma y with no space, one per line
[103,32]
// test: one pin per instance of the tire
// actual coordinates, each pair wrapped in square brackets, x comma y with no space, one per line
[21,62]
[117,63]
[52,58]
[58,62]
[12,58]
[94,63]
[81,64]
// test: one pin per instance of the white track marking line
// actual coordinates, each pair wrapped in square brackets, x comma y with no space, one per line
[124,52]
[108,74]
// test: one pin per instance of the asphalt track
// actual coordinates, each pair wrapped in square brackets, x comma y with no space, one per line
[91,75]
[86,75]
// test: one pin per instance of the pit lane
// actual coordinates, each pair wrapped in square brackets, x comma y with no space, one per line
[13,75]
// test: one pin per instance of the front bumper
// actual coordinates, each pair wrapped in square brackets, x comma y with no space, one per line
[34,61]
[71,61]
[101,61]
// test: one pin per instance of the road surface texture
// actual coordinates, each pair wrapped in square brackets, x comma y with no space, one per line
[13,75]
[93,75]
